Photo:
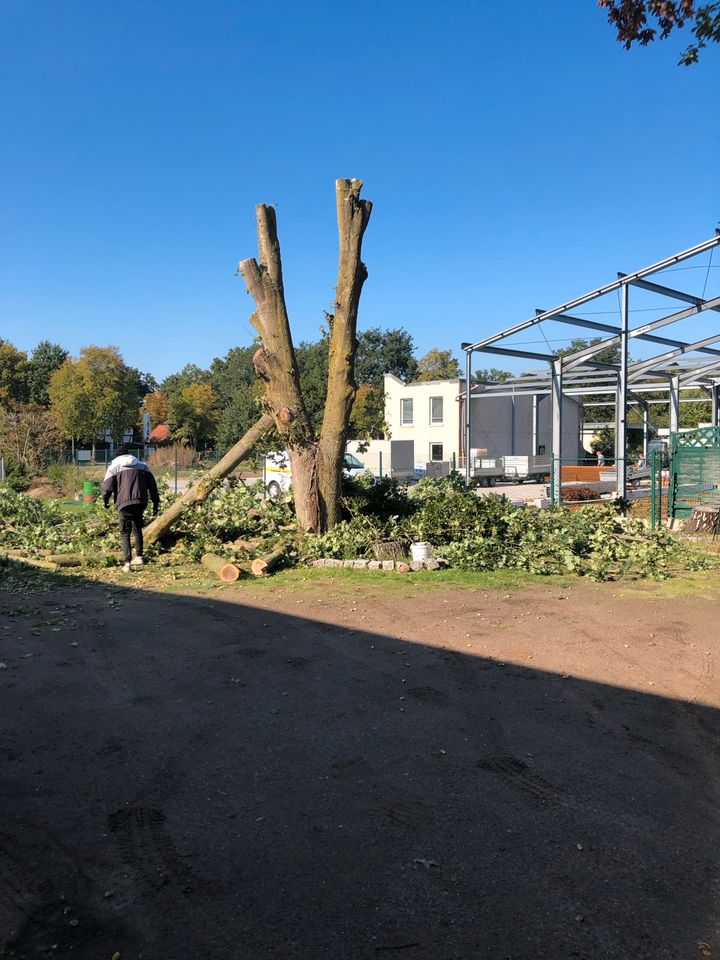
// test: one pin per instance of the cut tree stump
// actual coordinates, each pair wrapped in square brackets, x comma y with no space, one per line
[225,570]
[261,566]
[704,520]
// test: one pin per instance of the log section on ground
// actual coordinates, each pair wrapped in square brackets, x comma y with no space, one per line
[264,565]
[225,570]
[205,485]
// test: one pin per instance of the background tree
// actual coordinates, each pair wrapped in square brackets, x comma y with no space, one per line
[176,382]
[194,415]
[438,365]
[13,373]
[490,375]
[232,373]
[157,406]
[95,393]
[378,352]
[367,420]
[638,21]
[29,434]
[44,361]
[236,383]
[604,442]
[385,351]
[237,416]
[312,361]
[316,457]
[144,382]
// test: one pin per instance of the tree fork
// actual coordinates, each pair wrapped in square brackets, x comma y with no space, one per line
[316,462]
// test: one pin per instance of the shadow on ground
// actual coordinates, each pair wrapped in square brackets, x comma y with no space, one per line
[187,778]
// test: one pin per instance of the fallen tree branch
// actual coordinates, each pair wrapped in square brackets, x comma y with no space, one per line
[204,487]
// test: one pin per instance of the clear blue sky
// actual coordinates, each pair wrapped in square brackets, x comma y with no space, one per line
[515,153]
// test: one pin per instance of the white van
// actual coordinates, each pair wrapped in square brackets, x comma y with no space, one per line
[278,474]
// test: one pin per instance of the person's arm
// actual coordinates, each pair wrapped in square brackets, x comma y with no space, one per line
[109,488]
[153,491]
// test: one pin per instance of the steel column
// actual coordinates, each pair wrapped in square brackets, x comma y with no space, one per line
[468,375]
[556,368]
[714,398]
[535,424]
[674,404]
[645,407]
[621,398]
[512,425]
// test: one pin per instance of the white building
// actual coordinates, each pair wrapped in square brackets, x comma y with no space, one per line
[427,412]
[431,413]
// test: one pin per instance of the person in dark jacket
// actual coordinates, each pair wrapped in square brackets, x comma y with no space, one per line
[130,482]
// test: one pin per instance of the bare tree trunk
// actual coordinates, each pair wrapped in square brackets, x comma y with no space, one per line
[201,491]
[353,215]
[316,463]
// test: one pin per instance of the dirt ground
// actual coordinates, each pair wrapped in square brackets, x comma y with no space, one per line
[345,770]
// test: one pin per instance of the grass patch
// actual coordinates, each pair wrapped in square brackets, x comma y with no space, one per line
[704,585]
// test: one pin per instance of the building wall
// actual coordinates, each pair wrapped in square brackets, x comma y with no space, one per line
[422,431]
[493,429]
[501,425]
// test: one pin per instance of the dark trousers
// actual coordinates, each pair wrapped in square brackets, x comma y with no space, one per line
[131,519]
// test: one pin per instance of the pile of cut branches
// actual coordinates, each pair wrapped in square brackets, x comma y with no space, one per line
[236,525]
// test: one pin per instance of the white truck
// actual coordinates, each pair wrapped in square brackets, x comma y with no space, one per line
[277,472]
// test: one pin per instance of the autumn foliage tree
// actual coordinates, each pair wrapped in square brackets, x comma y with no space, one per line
[438,365]
[157,406]
[640,21]
[194,414]
[95,393]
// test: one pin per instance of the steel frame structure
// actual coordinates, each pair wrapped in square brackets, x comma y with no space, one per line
[579,374]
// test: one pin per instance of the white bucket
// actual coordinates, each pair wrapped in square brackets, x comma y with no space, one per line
[420,551]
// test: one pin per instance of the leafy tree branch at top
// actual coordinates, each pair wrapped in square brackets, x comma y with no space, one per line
[639,21]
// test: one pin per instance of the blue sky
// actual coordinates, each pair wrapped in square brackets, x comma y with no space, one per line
[516,156]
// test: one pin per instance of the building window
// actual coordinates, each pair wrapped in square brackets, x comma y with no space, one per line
[436,409]
[436,451]
[406,413]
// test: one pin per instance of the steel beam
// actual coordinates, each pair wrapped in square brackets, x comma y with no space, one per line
[523,354]
[698,372]
[574,360]
[656,362]
[581,322]
[667,291]
[609,328]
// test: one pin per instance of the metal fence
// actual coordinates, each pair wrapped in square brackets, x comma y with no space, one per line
[694,471]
